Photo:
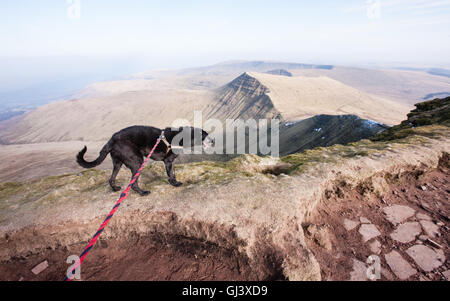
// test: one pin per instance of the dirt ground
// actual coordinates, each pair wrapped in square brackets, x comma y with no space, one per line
[426,193]
[136,258]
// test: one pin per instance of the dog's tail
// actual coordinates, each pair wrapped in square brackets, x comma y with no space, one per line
[103,153]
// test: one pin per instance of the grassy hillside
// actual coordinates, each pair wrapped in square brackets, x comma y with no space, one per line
[433,112]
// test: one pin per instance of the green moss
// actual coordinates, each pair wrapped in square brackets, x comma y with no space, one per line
[46,190]
[301,161]
[8,189]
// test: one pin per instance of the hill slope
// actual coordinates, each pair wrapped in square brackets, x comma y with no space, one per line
[251,95]
[95,119]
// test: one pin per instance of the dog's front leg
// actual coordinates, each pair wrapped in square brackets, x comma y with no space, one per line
[171,173]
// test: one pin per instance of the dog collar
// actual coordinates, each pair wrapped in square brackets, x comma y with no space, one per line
[163,139]
[168,145]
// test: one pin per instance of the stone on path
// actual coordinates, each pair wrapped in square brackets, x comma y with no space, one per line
[423,216]
[40,267]
[423,237]
[349,224]
[406,232]
[425,257]
[359,272]
[401,268]
[398,213]
[364,220]
[375,247]
[368,231]
[430,228]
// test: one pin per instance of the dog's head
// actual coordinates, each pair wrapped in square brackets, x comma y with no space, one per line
[197,137]
[206,140]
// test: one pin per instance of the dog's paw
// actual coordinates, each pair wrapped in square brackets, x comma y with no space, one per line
[116,188]
[144,192]
[175,183]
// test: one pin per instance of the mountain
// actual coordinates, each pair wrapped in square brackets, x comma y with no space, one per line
[302,97]
[251,95]
[259,95]
[229,67]
[244,98]
[407,86]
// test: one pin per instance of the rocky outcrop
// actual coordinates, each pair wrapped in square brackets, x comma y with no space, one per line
[244,98]
[432,112]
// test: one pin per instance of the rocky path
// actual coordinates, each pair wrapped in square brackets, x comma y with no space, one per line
[406,231]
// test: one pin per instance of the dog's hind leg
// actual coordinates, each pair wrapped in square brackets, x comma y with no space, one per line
[135,185]
[134,162]
[117,164]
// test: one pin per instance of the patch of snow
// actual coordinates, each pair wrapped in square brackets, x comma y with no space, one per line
[371,123]
[291,123]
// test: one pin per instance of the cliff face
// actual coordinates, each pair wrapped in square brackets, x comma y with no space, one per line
[326,130]
[244,98]
[280,72]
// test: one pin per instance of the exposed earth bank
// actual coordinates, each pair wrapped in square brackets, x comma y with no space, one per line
[331,234]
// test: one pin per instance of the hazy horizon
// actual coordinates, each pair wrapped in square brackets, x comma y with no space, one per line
[66,44]
[352,31]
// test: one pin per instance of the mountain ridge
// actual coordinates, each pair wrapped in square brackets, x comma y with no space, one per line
[250,95]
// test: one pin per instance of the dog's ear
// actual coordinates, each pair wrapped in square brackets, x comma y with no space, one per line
[204,134]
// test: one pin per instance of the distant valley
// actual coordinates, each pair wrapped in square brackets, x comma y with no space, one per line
[317,105]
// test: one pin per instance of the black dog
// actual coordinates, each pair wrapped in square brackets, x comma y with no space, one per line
[131,145]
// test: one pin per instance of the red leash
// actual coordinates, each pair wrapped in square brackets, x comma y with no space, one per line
[123,197]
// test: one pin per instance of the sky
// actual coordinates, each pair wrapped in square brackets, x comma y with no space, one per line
[413,31]
[49,38]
